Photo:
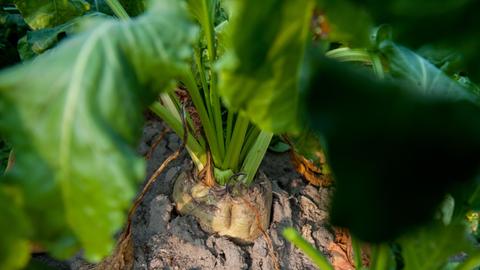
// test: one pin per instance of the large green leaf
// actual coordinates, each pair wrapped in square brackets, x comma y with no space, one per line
[417,71]
[74,115]
[394,149]
[450,24]
[259,73]
[41,14]
[430,248]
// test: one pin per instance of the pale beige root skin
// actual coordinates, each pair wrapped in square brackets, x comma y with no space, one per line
[240,214]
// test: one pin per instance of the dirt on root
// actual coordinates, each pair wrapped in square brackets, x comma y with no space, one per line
[165,240]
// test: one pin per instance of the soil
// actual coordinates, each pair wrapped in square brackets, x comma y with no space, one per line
[165,240]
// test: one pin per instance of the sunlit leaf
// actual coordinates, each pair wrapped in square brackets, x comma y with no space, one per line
[259,74]
[74,115]
[48,13]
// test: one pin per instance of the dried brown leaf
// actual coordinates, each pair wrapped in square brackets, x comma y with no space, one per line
[310,171]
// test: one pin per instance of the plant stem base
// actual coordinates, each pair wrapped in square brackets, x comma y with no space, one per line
[238,212]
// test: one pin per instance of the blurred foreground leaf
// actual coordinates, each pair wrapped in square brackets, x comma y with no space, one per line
[395,148]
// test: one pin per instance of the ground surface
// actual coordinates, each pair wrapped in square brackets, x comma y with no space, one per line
[165,240]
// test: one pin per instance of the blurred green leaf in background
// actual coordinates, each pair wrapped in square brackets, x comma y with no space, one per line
[395,147]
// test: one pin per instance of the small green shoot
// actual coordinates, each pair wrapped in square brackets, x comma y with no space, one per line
[316,256]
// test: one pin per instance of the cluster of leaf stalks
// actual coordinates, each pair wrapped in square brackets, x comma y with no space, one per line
[219,140]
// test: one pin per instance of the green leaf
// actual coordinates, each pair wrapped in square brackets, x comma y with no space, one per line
[259,75]
[41,14]
[37,42]
[203,11]
[395,150]
[277,145]
[74,116]
[382,258]
[222,35]
[348,23]
[14,245]
[430,248]
[450,24]
[417,71]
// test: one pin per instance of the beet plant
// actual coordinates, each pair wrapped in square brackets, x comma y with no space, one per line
[226,76]
[73,113]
